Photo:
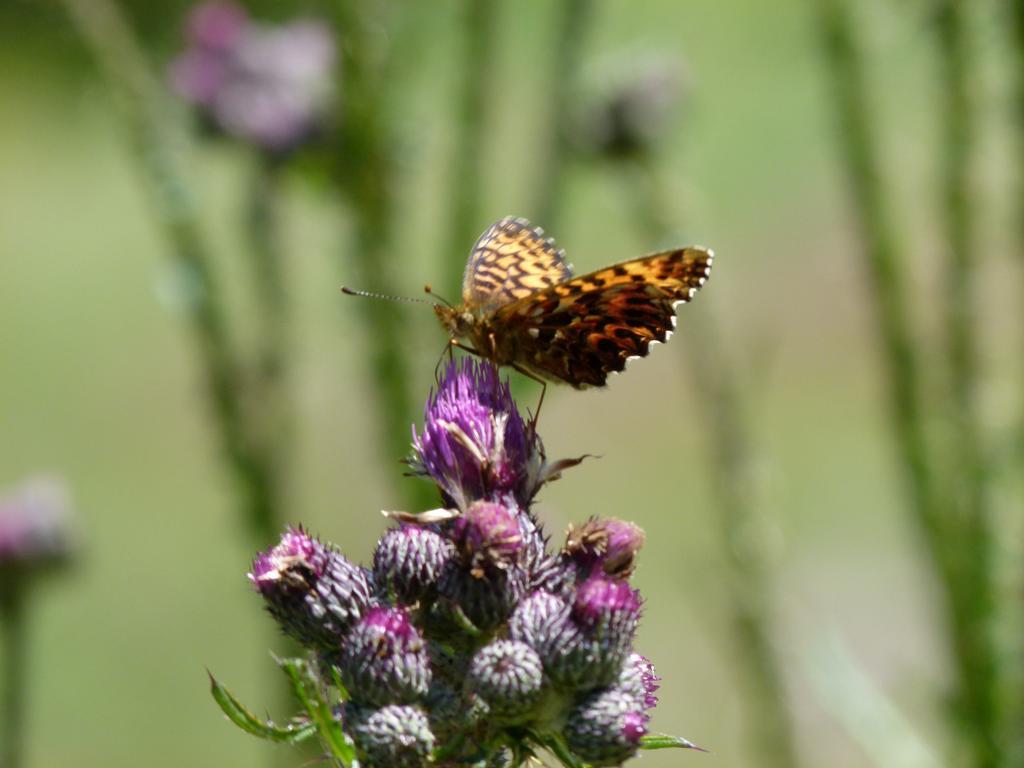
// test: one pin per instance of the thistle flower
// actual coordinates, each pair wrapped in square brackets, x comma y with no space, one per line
[471,643]
[606,727]
[508,675]
[269,86]
[384,659]
[315,594]
[393,736]
[408,562]
[35,528]
[474,443]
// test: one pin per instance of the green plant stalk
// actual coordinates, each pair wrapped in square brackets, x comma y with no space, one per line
[269,405]
[14,701]
[367,173]
[883,259]
[157,141]
[967,470]
[467,185]
[730,459]
[1015,714]
[570,25]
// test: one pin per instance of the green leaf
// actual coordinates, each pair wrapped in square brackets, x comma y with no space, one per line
[307,688]
[664,741]
[248,722]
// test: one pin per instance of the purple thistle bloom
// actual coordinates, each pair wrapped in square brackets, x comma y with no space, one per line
[312,590]
[35,527]
[508,675]
[408,562]
[602,601]
[606,727]
[393,736]
[266,85]
[474,443]
[608,544]
[384,659]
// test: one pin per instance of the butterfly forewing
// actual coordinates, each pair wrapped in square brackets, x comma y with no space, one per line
[511,260]
[584,328]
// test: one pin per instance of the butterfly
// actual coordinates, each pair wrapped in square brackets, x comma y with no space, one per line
[523,307]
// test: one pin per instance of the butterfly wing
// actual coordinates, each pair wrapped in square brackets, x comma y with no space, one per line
[581,330]
[510,261]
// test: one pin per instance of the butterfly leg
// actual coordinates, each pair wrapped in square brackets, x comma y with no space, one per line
[448,350]
[543,391]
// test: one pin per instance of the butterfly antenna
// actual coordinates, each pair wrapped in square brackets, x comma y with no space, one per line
[370,295]
[430,292]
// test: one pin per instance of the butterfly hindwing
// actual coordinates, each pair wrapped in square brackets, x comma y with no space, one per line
[511,261]
[581,330]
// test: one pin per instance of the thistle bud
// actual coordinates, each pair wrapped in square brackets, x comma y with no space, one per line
[408,562]
[606,727]
[639,680]
[313,591]
[538,618]
[609,544]
[393,736]
[35,530]
[587,651]
[508,675]
[384,659]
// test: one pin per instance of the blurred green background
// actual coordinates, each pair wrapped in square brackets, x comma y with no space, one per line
[101,384]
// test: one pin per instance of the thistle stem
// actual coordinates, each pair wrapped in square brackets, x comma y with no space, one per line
[156,138]
[884,259]
[477,67]
[967,471]
[730,459]
[14,701]
[571,29]
[270,408]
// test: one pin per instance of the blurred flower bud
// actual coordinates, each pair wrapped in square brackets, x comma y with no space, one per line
[266,85]
[508,675]
[35,529]
[408,562]
[633,115]
[393,736]
[608,544]
[606,727]
[313,591]
[384,659]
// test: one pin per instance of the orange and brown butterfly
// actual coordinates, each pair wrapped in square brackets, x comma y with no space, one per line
[522,306]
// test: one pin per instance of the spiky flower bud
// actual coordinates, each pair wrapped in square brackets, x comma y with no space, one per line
[474,443]
[608,544]
[606,727]
[312,590]
[392,736]
[408,562]
[508,675]
[639,680]
[486,578]
[384,658]
[587,649]
[538,618]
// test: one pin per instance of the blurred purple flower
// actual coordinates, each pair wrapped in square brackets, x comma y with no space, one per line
[266,85]
[35,526]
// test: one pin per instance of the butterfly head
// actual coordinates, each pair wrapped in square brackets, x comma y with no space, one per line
[457,321]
